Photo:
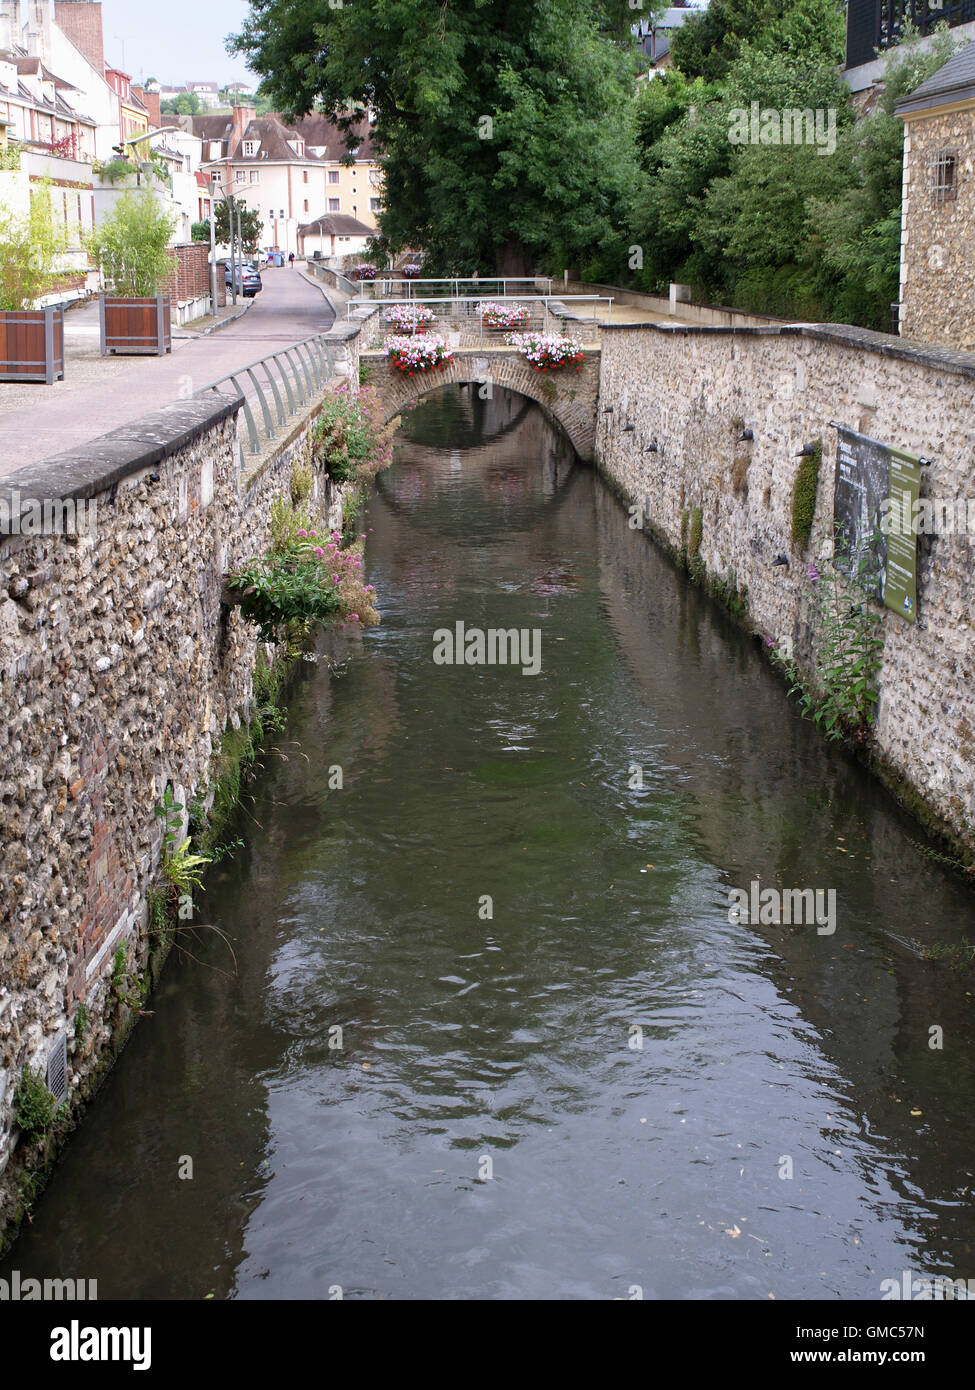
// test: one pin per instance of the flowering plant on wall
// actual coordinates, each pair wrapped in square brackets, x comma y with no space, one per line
[411,355]
[503,315]
[350,436]
[364,272]
[411,271]
[548,352]
[309,578]
[409,318]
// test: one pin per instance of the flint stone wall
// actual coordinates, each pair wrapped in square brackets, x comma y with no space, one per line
[119,672]
[694,391]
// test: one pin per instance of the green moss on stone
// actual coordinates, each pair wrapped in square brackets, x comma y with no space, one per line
[804,492]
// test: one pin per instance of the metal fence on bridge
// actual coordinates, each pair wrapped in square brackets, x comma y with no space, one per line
[458,319]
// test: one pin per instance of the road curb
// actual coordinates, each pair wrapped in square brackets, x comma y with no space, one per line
[216,327]
[319,286]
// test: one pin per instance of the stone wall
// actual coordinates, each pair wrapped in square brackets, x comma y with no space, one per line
[692,392]
[120,670]
[937,265]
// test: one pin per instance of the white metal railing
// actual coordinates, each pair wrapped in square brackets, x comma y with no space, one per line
[458,320]
[387,286]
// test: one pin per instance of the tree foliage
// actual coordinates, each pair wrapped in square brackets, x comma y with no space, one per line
[132,245]
[186,104]
[796,230]
[505,128]
[30,246]
[710,42]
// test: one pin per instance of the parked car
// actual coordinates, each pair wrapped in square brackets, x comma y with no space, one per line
[249,283]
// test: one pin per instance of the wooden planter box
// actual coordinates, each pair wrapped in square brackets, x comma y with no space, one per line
[32,345]
[136,325]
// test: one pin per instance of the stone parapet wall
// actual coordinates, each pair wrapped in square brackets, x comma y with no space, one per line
[692,392]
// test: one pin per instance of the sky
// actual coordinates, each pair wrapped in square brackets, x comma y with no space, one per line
[177,41]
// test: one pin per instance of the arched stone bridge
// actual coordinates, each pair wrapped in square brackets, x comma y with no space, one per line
[568,396]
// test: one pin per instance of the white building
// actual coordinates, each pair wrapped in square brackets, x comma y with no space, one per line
[290,176]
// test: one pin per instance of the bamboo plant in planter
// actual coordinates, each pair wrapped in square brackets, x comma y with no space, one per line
[31,340]
[132,247]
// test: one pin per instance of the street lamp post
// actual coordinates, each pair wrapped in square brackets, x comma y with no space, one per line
[211,185]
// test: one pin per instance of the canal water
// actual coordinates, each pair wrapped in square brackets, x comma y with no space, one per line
[596,1084]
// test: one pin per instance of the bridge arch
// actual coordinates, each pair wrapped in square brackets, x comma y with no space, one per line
[567,397]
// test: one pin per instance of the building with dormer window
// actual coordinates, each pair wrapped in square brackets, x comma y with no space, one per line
[292,175]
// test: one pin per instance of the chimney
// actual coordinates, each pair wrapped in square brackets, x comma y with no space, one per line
[243,115]
[81,22]
[38,33]
[152,102]
[7,19]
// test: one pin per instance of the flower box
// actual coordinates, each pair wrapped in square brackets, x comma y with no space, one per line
[548,352]
[409,318]
[503,316]
[409,355]
[32,345]
[136,325]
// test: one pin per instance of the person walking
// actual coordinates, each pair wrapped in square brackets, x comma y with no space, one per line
[291,260]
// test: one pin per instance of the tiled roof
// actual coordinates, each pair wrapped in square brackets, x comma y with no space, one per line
[954,82]
[337,224]
[324,134]
[33,67]
[209,127]
[275,138]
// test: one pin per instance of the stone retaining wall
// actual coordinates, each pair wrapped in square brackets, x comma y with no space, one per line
[119,673]
[692,392]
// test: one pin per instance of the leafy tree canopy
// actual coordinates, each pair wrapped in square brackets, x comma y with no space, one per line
[709,43]
[505,128]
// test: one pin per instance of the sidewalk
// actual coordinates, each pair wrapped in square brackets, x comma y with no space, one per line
[100,394]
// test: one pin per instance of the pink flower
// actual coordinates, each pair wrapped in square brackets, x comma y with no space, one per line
[354,617]
[302,533]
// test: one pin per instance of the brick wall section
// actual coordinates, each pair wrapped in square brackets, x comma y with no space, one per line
[191,279]
[937,265]
[82,22]
[683,388]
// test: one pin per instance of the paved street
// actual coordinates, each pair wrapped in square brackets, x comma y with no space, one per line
[100,394]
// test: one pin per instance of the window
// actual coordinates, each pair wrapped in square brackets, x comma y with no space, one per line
[249,148]
[241,176]
[944,183]
[306,205]
[333,175]
[255,176]
[333,204]
[305,176]
[375,204]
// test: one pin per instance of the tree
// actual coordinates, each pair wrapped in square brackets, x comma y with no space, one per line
[710,42]
[861,228]
[30,246]
[504,127]
[251,226]
[186,104]
[132,245]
